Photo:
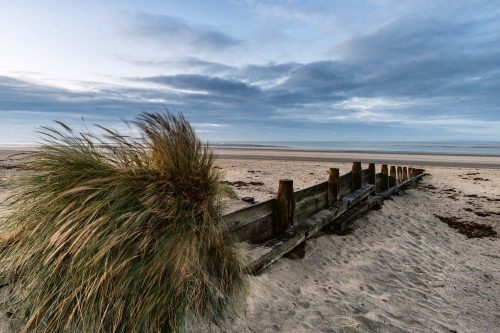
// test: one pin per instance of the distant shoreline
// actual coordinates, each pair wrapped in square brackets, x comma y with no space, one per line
[379,157]
[340,151]
[340,156]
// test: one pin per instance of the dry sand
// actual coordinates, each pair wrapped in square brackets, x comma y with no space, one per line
[401,269]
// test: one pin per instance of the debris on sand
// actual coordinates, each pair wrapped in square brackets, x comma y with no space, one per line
[240,183]
[469,229]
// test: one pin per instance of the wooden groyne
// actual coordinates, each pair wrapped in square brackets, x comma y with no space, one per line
[285,222]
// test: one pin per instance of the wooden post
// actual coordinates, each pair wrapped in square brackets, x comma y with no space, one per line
[356,176]
[333,186]
[392,178]
[410,172]
[285,206]
[400,174]
[371,173]
[405,173]
[385,177]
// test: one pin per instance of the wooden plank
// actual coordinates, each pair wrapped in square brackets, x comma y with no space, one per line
[244,216]
[371,174]
[398,187]
[356,176]
[392,176]
[339,214]
[333,186]
[300,232]
[379,178]
[284,208]
[344,185]
[311,191]
[341,224]
[385,177]
[310,200]
[255,232]
[310,206]
[365,177]
[253,224]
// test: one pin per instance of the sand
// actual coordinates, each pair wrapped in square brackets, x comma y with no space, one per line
[401,268]
[379,157]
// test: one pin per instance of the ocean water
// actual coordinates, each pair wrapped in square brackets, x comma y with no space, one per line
[466,148]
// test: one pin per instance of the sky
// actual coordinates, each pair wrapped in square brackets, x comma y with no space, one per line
[249,70]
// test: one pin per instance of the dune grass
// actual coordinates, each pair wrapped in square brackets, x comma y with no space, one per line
[124,236]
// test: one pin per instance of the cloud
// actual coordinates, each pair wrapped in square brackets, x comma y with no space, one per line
[273,9]
[171,31]
[208,84]
[411,74]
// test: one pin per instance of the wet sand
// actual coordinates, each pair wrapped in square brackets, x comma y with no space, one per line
[421,159]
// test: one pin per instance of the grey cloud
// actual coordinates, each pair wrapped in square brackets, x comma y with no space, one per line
[270,71]
[172,30]
[214,85]
[421,68]
[188,64]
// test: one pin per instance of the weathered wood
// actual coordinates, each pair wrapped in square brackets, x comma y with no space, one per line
[309,206]
[400,174]
[405,173]
[342,223]
[378,182]
[344,185]
[310,200]
[340,213]
[284,207]
[385,177]
[356,176]
[364,177]
[253,223]
[300,232]
[371,173]
[392,176]
[333,186]
[396,188]
[314,190]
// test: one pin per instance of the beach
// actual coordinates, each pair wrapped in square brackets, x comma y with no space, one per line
[408,267]
[402,269]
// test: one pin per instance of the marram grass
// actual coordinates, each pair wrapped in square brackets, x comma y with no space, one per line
[124,236]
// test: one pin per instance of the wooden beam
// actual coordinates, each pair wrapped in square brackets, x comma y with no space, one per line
[297,234]
[385,177]
[400,174]
[392,176]
[333,186]
[253,223]
[300,232]
[371,173]
[396,188]
[405,173]
[284,208]
[356,176]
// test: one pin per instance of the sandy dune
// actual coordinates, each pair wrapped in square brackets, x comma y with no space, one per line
[401,269]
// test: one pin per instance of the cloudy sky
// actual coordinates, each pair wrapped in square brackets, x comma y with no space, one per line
[256,70]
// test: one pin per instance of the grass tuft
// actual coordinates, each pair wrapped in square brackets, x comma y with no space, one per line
[121,234]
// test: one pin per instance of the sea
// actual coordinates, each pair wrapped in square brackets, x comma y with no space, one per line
[490,148]
[451,148]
